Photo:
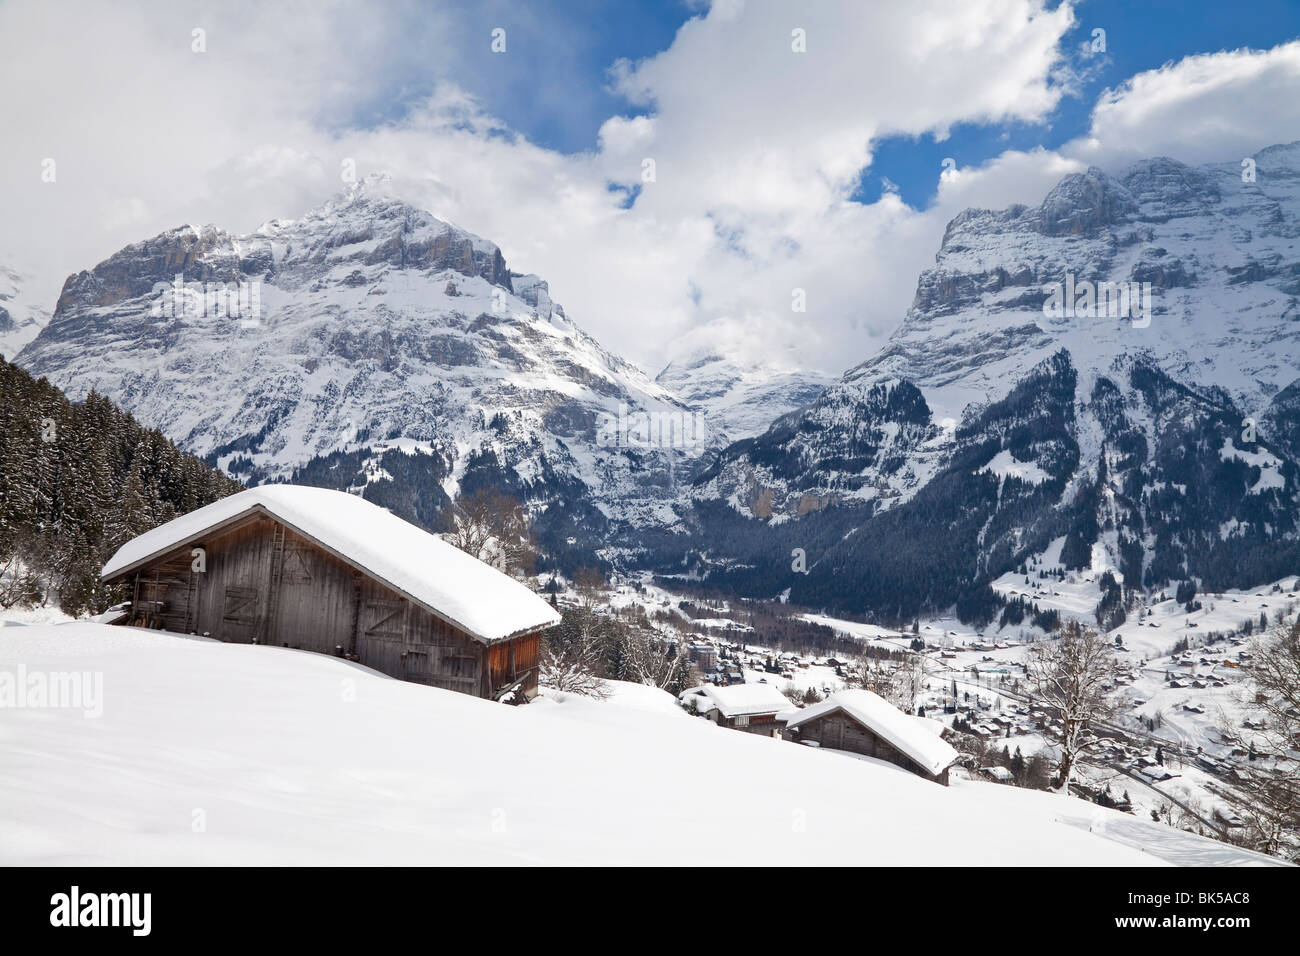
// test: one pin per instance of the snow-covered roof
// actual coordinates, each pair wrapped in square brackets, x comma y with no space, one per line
[742,700]
[912,738]
[461,589]
[935,727]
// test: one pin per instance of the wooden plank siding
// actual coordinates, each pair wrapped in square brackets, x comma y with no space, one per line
[267,584]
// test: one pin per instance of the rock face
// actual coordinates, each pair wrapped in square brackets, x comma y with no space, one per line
[370,346]
[993,427]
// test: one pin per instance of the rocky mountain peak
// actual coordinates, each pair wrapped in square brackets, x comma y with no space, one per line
[368,224]
[1082,203]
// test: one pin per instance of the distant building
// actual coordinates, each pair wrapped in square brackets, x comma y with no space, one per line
[704,655]
[753,708]
[861,722]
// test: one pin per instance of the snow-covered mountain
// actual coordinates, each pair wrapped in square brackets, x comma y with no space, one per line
[1162,442]
[21,316]
[397,353]
[365,344]
[740,397]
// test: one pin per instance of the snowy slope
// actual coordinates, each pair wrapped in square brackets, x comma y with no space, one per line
[21,317]
[210,753]
[740,397]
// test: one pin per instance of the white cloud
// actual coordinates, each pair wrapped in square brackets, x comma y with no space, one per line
[1206,108]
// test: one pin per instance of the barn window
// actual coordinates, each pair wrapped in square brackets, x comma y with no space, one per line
[460,666]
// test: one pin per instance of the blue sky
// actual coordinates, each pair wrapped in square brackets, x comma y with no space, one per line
[1139,36]
[553,87]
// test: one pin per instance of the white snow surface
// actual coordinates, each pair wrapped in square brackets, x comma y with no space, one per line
[289,757]
[1005,465]
[22,315]
[741,397]
[474,596]
[917,741]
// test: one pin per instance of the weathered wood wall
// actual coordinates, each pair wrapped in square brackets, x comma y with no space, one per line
[266,584]
[765,725]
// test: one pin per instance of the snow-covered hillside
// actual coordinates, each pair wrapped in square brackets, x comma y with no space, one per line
[209,753]
[740,398]
[21,315]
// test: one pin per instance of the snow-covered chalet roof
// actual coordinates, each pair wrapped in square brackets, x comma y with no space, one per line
[746,700]
[911,737]
[473,596]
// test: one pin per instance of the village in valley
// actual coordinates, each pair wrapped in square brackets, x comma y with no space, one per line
[1178,681]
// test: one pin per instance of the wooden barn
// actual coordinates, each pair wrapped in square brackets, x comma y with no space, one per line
[753,708]
[327,571]
[860,722]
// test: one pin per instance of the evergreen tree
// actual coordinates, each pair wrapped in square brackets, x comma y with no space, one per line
[76,482]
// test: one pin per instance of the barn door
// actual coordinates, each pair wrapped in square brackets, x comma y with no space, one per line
[415,664]
[240,613]
[294,618]
[381,634]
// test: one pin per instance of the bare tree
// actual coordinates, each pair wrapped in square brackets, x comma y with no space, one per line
[900,684]
[573,655]
[495,528]
[1071,677]
[650,659]
[591,585]
[19,586]
[1268,795]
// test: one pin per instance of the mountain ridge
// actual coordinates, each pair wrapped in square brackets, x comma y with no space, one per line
[400,357]
[1151,400]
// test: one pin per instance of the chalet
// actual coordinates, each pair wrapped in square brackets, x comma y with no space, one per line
[753,708]
[861,722]
[327,571]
